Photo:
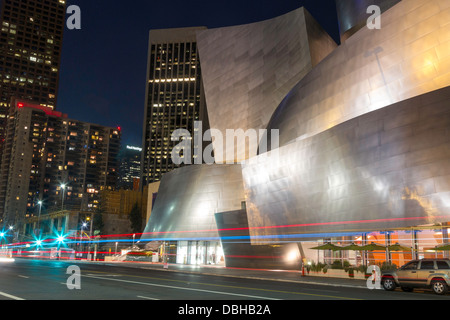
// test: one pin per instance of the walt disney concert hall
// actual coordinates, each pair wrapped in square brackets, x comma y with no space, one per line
[363,152]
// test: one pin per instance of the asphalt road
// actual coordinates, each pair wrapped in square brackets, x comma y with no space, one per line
[52,280]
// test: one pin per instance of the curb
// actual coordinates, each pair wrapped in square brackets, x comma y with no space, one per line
[237,276]
[259,278]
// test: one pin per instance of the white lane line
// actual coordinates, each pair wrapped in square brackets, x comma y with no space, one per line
[10,296]
[142,297]
[182,288]
[23,276]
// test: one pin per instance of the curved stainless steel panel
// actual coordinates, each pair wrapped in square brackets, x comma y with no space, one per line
[386,169]
[248,69]
[407,57]
[189,197]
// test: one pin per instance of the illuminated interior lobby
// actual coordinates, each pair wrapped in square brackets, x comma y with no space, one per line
[364,142]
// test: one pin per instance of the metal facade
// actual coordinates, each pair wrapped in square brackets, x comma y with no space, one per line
[387,169]
[189,197]
[407,57]
[249,69]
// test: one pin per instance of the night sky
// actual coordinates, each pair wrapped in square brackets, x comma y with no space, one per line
[104,64]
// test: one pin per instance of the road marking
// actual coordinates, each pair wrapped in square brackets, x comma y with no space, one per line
[238,287]
[182,288]
[142,297]
[10,296]
[23,276]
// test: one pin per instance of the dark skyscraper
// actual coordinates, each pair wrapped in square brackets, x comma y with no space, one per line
[129,167]
[30,52]
[174,97]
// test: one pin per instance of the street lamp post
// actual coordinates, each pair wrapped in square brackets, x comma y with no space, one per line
[63,188]
[11,229]
[60,241]
[91,223]
[39,216]
[83,225]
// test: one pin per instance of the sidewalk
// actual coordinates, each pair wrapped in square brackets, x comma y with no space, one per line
[273,275]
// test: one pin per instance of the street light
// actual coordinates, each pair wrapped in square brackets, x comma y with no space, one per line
[60,239]
[38,244]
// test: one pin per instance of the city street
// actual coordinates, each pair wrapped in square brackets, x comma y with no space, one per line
[49,280]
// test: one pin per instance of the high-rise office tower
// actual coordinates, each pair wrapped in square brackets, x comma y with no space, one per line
[30,51]
[174,97]
[48,157]
[129,167]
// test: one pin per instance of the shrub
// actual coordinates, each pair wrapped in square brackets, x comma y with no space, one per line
[362,269]
[337,264]
[387,266]
[315,267]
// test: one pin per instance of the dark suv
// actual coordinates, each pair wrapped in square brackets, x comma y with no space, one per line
[425,273]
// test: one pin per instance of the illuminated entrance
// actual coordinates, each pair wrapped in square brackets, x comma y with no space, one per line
[195,252]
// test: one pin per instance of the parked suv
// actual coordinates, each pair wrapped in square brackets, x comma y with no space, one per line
[425,273]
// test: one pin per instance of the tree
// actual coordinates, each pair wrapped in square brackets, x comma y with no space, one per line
[98,223]
[135,219]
